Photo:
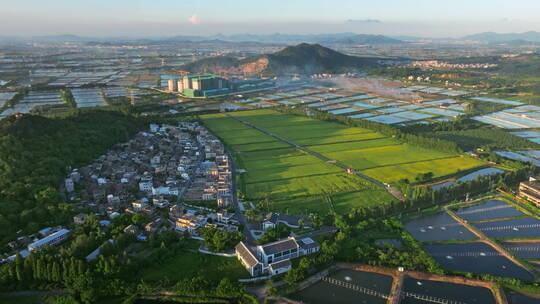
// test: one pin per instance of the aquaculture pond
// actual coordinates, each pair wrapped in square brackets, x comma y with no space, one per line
[524,250]
[443,185]
[480,173]
[518,298]
[489,209]
[324,292]
[521,227]
[476,257]
[437,227]
[445,291]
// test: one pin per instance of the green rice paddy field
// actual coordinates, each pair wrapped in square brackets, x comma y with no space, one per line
[297,182]
[369,152]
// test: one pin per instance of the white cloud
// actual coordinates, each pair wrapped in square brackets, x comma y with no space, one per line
[194,20]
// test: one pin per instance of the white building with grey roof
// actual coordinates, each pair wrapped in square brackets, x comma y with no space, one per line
[274,258]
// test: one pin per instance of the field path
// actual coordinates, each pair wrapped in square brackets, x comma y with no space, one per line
[241,216]
[393,191]
[397,287]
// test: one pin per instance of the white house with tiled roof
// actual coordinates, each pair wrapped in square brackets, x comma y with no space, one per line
[274,258]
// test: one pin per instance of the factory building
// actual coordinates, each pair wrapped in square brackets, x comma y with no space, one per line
[208,85]
[203,85]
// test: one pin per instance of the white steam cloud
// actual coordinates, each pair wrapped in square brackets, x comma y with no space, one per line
[194,20]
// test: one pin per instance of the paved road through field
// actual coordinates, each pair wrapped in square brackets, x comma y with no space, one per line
[242,218]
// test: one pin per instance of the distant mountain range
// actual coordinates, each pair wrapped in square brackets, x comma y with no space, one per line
[358,21]
[291,38]
[300,59]
[337,38]
[325,39]
[504,37]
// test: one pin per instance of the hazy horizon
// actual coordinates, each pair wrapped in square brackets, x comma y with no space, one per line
[162,18]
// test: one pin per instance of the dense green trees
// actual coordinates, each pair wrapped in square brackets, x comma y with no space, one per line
[68,98]
[219,240]
[418,197]
[44,267]
[139,220]
[486,138]
[35,154]
[423,177]
[356,243]
[274,234]
[113,273]
[200,287]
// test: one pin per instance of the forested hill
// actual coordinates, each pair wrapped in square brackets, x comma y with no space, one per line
[300,59]
[34,154]
[314,58]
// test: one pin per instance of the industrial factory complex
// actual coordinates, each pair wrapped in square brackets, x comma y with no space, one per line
[208,85]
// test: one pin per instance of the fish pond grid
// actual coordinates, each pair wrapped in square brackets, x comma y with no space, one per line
[370,286]
[524,250]
[451,292]
[438,227]
[490,209]
[513,228]
[476,257]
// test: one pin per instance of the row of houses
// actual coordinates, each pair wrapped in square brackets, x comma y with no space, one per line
[213,179]
[191,220]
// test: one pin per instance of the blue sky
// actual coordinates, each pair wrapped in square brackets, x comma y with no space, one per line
[172,17]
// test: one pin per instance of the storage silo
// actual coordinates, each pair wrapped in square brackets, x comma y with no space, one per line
[180,85]
[173,86]
[187,83]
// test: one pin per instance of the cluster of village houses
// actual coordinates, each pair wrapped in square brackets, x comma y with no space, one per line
[165,173]
[168,168]
[446,65]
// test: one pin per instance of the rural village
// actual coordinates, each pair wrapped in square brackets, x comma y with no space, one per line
[180,178]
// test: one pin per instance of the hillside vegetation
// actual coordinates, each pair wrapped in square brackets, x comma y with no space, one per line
[300,59]
[35,153]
